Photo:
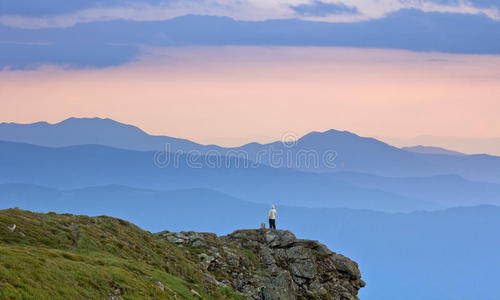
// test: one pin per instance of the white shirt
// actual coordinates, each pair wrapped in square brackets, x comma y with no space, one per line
[272,214]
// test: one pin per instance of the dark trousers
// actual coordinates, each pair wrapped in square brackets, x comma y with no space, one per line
[272,223]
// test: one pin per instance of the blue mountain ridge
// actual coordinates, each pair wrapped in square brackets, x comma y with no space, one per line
[93,165]
[351,152]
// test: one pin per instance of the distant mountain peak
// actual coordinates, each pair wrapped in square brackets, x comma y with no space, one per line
[329,132]
[432,150]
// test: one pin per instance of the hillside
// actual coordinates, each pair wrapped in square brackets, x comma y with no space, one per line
[442,241]
[51,256]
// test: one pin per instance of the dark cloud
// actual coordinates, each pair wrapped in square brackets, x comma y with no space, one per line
[323,9]
[67,55]
[96,43]
[40,8]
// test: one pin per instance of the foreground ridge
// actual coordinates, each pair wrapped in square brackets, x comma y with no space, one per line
[272,264]
[64,256]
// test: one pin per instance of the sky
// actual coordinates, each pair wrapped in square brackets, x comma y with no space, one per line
[235,71]
[233,95]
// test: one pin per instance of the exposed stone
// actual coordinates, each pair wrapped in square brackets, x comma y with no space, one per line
[195,293]
[345,265]
[298,253]
[304,269]
[267,256]
[272,264]
[160,286]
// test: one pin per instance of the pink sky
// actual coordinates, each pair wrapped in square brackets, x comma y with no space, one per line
[234,95]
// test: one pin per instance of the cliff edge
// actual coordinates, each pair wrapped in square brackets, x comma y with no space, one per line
[272,264]
[64,256]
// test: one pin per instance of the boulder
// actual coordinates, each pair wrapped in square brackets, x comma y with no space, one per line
[273,264]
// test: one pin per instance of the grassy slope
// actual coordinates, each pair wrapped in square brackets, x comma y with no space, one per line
[52,256]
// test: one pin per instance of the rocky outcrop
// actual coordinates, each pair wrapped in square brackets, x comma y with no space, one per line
[271,264]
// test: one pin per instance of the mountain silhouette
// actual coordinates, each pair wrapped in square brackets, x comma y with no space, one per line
[93,165]
[98,131]
[431,150]
[328,151]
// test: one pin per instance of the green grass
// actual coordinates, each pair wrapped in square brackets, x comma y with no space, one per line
[52,256]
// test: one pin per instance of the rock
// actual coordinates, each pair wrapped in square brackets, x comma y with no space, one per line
[315,289]
[274,293]
[198,243]
[160,286]
[299,253]
[232,258]
[273,264]
[195,293]
[12,227]
[323,250]
[267,256]
[287,238]
[303,269]
[271,238]
[206,260]
[212,280]
[345,265]
[181,235]
[285,282]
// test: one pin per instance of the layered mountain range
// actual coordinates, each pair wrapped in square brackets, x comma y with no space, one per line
[393,210]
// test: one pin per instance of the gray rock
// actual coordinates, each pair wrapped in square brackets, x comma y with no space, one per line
[267,256]
[272,292]
[195,293]
[181,235]
[271,238]
[303,269]
[323,250]
[299,253]
[287,238]
[316,289]
[198,243]
[285,282]
[232,258]
[160,286]
[347,266]
[272,264]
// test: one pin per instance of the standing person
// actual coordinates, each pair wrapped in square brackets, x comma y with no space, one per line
[272,218]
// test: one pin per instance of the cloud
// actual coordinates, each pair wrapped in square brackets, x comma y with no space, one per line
[102,44]
[68,55]
[472,3]
[323,9]
[37,8]
[64,13]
